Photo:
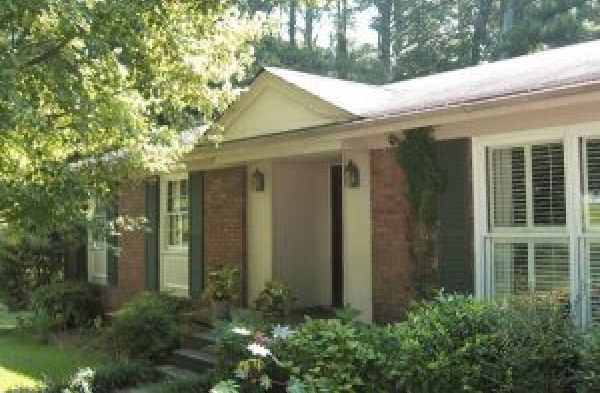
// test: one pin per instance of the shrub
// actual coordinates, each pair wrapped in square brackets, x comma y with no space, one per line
[199,384]
[121,375]
[145,328]
[222,283]
[69,304]
[275,299]
[536,348]
[332,355]
[463,345]
[588,377]
[25,266]
[105,379]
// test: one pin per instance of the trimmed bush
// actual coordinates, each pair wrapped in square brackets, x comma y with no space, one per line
[24,267]
[332,355]
[68,304]
[105,379]
[145,328]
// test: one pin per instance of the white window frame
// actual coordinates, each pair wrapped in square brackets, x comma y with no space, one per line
[164,214]
[574,229]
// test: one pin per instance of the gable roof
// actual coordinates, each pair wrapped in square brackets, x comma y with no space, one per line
[359,99]
[535,73]
[532,73]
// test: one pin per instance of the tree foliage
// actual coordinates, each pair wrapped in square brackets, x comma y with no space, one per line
[92,91]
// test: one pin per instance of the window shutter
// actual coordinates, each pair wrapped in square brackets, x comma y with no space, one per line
[508,187]
[455,250]
[112,258]
[196,234]
[152,238]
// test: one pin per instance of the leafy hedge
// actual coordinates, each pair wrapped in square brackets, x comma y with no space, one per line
[68,304]
[453,344]
[105,379]
[146,327]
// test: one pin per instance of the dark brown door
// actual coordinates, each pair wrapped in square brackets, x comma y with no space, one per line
[337,237]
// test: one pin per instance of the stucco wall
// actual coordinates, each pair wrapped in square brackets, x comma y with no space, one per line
[302,251]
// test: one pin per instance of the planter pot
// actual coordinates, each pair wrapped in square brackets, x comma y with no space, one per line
[220,310]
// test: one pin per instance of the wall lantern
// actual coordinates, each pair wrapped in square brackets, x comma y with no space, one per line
[258,180]
[351,175]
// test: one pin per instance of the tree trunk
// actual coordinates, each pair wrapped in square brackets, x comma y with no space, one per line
[385,34]
[309,17]
[480,33]
[292,22]
[508,16]
[342,39]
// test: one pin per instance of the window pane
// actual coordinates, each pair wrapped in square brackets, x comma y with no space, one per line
[592,198]
[174,238]
[510,268]
[548,184]
[170,196]
[185,228]
[507,183]
[594,258]
[551,267]
[521,267]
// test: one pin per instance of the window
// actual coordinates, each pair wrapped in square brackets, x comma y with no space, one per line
[177,223]
[527,186]
[526,204]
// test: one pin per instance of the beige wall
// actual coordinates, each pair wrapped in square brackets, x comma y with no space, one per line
[302,253]
[357,240]
[277,109]
[260,231]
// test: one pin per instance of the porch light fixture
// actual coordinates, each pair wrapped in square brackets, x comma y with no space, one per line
[351,175]
[258,179]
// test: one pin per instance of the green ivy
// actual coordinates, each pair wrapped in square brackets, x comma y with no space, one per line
[416,154]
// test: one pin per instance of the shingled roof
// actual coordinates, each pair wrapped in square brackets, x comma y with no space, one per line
[538,72]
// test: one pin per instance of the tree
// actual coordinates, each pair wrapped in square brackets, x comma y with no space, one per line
[93,91]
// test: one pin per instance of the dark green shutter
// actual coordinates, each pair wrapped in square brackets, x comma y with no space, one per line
[455,246]
[152,238]
[196,240]
[112,252]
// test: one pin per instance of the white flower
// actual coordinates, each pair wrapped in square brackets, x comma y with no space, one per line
[241,331]
[259,350]
[282,332]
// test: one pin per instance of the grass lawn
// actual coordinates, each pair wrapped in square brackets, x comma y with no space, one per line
[25,362]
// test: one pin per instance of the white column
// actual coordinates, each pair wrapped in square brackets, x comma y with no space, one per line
[357,237]
[260,230]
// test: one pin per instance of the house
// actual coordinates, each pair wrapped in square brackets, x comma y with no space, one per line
[519,141]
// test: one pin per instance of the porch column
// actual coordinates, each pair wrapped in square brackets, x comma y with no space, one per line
[357,237]
[260,229]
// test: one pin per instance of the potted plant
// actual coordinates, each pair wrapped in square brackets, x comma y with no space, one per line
[275,300]
[221,289]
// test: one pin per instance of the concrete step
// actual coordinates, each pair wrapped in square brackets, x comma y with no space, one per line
[171,371]
[193,359]
[198,339]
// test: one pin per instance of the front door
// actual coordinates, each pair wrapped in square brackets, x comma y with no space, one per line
[337,237]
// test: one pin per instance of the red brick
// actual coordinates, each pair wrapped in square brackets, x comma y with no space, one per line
[390,215]
[130,264]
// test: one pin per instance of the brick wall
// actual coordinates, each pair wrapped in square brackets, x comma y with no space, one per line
[131,264]
[392,266]
[225,218]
